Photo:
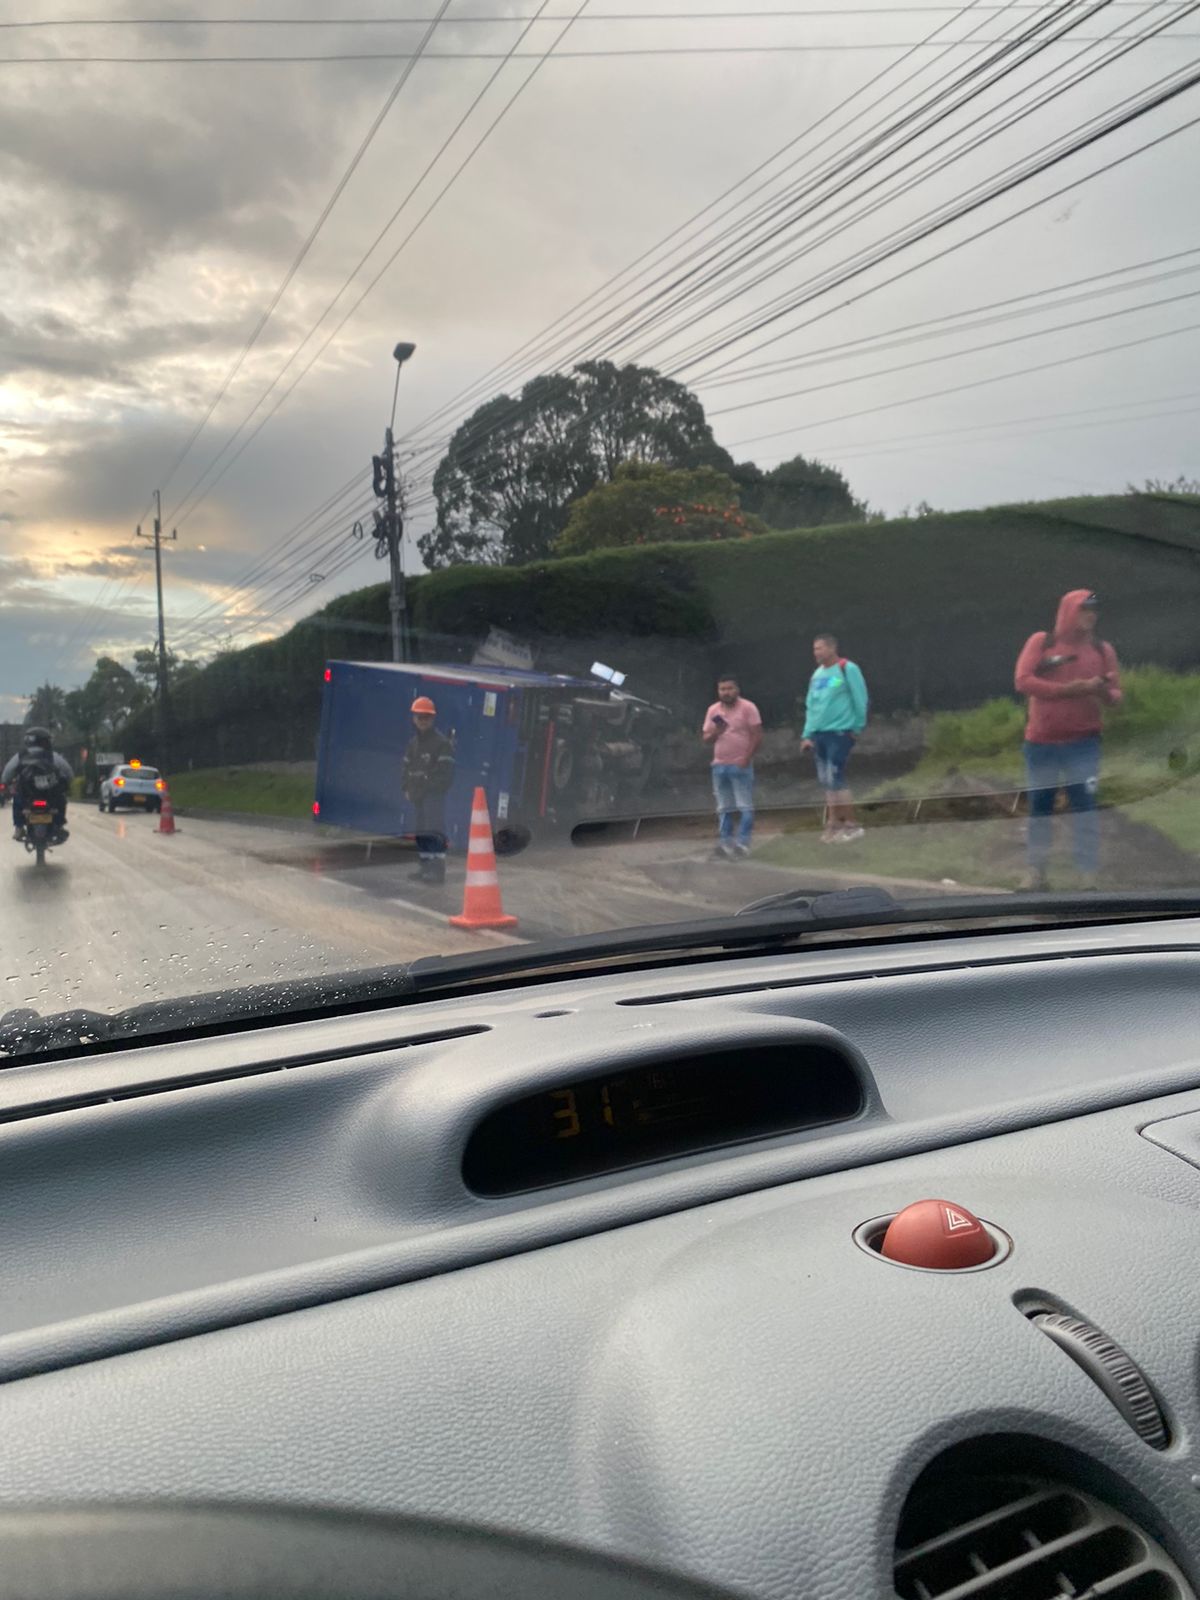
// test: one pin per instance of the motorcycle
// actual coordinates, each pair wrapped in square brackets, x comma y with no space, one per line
[42,828]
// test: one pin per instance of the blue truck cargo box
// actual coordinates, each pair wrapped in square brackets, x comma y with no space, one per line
[496,718]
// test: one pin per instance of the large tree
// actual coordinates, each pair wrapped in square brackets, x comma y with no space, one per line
[798,494]
[510,472]
[105,703]
[647,504]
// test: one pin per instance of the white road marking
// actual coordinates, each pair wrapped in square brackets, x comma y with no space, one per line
[440,916]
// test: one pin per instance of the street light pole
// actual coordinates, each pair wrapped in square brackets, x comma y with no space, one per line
[389,524]
[163,707]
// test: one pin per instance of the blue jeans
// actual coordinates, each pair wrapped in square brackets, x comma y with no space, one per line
[1075,767]
[733,790]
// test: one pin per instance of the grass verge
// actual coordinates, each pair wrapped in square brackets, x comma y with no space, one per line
[249,790]
[985,854]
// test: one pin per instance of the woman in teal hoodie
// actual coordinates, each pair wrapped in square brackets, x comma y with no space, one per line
[835,714]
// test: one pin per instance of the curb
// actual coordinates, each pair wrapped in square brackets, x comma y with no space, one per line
[696,875]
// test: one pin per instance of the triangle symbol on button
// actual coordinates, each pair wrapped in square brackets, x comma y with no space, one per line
[955,1220]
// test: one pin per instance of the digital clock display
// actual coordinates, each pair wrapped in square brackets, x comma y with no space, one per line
[662,1109]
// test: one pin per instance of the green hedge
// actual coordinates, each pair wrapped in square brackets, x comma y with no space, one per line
[934,608]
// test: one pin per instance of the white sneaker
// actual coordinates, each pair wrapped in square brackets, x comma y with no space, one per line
[741,852]
[851,834]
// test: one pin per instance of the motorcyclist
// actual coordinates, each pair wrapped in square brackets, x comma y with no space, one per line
[35,761]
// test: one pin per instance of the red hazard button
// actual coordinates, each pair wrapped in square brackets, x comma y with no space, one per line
[937,1234]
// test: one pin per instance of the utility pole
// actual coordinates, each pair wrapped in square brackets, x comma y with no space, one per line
[389,523]
[163,701]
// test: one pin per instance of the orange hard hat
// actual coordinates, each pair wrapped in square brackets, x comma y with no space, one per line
[423,706]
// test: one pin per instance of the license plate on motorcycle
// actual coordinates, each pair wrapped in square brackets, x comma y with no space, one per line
[37,820]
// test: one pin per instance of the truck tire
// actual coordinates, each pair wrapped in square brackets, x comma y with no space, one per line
[510,838]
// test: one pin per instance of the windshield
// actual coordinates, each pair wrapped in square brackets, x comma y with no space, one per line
[545,471]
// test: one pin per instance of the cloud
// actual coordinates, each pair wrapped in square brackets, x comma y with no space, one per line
[150,214]
[67,347]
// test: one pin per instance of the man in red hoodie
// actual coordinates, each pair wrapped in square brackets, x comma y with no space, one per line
[1068,676]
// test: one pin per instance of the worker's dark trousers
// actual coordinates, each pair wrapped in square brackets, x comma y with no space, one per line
[429,826]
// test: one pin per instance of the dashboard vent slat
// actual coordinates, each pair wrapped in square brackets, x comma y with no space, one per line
[1016,1539]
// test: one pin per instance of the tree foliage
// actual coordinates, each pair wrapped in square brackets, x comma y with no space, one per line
[145,668]
[510,472]
[647,504]
[47,708]
[106,702]
[798,494]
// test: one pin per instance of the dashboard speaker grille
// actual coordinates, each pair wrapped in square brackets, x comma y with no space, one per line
[1021,1539]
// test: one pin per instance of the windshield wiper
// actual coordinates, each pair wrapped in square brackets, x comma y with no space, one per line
[763,927]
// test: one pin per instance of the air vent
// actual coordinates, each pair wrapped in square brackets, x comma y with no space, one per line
[1018,1538]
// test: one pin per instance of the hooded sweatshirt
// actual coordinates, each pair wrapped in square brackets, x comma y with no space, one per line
[1051,662]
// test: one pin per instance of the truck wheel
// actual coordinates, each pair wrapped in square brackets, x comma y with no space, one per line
[510,838]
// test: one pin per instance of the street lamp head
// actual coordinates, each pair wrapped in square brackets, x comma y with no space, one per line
[403,351]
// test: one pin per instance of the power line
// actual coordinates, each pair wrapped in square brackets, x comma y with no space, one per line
[963,208]
[832,184]
[288,548]
[789,300]
[298,260]
[1018,428]
[1084,179]
[902,440]
[859,263]
[953,321]
[953,355]
[548,346]
[978,383]
[455,176]
[829,170]
[376,56]
[298,348]
[1043,200]
[514,17]
[784,148]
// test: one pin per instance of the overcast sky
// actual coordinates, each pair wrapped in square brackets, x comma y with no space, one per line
[151,212]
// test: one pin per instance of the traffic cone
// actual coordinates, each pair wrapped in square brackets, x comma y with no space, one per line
[481,897]
[166,815]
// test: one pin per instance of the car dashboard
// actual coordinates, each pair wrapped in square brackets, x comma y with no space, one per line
[586,1260]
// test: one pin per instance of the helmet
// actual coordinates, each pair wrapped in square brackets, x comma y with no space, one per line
[37,739]
[423,706]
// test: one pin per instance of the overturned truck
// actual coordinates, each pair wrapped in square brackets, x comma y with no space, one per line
[548,750]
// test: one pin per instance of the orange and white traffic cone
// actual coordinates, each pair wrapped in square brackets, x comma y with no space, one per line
[166,815]
[481,897]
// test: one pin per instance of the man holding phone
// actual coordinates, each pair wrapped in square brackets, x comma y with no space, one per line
[1068,675]
[733,727]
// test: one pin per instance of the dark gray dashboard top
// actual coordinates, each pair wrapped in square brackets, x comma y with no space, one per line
[692,1364]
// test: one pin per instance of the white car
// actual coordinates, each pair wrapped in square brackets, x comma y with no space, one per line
[132,785]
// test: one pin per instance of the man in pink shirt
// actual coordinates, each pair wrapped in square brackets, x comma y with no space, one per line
[733,727]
